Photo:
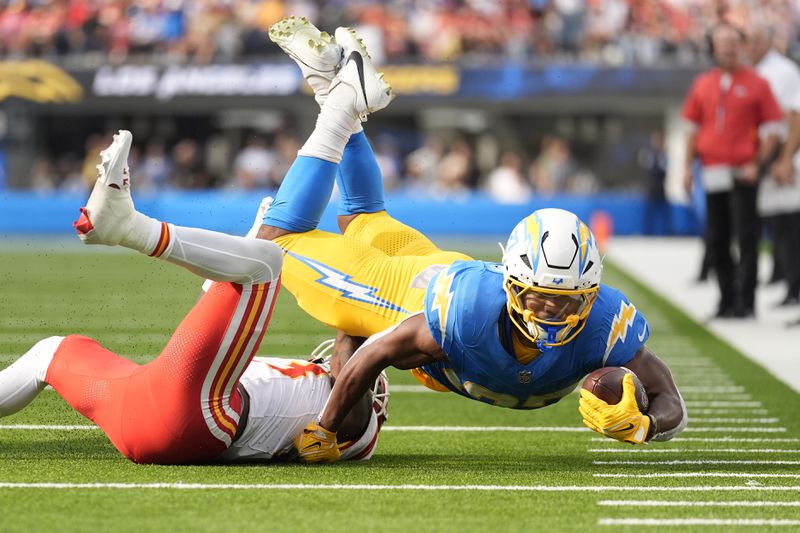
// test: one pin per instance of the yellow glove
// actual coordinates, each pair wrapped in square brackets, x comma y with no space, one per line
[315,444]
[621,421]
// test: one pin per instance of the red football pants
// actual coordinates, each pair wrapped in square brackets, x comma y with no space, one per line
[184,406]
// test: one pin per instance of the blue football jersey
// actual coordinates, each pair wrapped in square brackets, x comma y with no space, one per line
[465,307]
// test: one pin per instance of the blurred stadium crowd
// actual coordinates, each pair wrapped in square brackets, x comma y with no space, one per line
[90,33]
[436,168]
[614,32]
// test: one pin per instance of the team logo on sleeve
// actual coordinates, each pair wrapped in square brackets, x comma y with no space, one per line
[623,321]
[442,298]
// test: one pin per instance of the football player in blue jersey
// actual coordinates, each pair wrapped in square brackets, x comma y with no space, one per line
[518,334]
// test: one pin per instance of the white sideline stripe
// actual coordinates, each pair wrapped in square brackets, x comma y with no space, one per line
[690,450]
[606,440]
[411,388]
[716,389]
[699,474]
[565,429]
[310,486]
[569,429]
[736,420]
[699,462]
[684,503]
[485,428]
[41,426]
[690,403]
[732,393]
[700,396]
[727,412]
[697,522]
[734,429]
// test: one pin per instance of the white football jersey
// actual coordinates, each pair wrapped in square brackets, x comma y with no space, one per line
[285,396]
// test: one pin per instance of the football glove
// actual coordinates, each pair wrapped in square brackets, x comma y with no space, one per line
[315,444]
[622,421]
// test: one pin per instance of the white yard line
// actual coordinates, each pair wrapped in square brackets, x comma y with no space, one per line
[690,450]
[759,522]
[409,388]
[563,429]
[659,462]
[685,503]
[713,389]
[734,429]
[488,488]
[546,429]
[698,474]
[727,412]
[24,427]
[735,420]
[723,404]
[700,396]
[570,429]
[606,440]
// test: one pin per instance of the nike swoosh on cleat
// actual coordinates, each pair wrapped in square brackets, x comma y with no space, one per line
[355,56]
[317,444]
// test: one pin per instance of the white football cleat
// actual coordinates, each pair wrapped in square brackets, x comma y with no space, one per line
[108,215]
[314,51]
[366,87]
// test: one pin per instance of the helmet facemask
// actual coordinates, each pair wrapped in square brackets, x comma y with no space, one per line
[548,317]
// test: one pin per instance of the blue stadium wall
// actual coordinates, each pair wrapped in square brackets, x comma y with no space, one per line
[232,212]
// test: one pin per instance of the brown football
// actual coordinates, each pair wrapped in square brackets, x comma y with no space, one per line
[606,384]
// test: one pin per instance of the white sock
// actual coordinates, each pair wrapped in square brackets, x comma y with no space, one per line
[265,204]
[21,382]
[222,257]
[336,121]
[144,235]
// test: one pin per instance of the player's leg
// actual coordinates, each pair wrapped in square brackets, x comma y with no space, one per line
[355,91]
[184,406]
[194,381]
[94,382]
[111,219]
[24,379]
[358,176]
[88,377]
[362,211]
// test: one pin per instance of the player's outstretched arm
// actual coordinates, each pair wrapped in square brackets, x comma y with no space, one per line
[407,345]
[667,411]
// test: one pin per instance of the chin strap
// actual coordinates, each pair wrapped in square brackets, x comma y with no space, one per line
[552,333]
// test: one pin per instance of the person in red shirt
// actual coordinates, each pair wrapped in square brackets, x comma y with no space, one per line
[734,125]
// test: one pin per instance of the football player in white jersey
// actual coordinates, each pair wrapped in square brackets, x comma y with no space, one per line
[205,397]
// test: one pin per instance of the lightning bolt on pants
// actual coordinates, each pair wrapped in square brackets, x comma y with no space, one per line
[366,280]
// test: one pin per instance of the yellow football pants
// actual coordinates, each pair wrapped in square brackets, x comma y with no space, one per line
[366,280]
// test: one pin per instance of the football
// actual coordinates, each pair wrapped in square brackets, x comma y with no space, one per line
[606,384]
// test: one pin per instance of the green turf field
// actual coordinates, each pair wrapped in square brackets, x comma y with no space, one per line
[737,466]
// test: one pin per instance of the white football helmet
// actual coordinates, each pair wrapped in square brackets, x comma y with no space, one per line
[551,274]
